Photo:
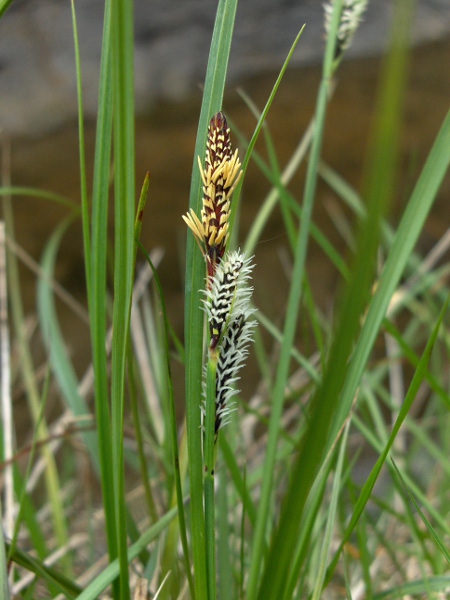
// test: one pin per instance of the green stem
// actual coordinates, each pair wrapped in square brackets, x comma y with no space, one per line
[195,275]
[209,457]
[173,430]
[263,517]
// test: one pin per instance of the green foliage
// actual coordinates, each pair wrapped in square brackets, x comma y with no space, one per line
[278,507]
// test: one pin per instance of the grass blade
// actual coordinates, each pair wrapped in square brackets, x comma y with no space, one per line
[108,575]
[195,276]
[98,286]
[438,541]
[322,430]
[124,252]
[419,376]
[408,232]
[61,366]
[262,521]
[81,144]
[174,433]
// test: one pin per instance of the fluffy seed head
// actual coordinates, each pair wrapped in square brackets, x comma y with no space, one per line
[228,311]
[227,293]
[351,17]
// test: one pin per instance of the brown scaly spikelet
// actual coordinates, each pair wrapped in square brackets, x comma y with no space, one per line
[220,176]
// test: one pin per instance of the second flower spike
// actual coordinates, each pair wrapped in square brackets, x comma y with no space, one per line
[227,306]
[228,294]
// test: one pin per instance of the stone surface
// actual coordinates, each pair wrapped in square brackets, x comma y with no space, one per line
[37,75]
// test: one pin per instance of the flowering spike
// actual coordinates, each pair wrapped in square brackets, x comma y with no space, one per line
[228,311]
[351,17]
[227,292]
[220,176]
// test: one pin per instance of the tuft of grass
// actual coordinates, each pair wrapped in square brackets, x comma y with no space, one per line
[332,477]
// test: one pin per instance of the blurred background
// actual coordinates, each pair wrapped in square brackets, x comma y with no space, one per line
[38,123]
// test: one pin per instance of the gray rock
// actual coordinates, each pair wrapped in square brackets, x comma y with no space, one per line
[37,73]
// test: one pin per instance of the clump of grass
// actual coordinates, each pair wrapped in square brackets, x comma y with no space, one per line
[292,516]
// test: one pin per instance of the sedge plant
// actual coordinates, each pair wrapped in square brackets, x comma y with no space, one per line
[262,496]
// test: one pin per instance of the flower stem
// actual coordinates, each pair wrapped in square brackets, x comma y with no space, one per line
[209,456]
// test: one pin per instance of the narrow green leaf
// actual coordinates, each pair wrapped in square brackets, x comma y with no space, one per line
[110,574]
[263,522]
[419,588]
[322,431]
[61,365]
[53,578]
[210,521]
[408,232]
[124,252]
[258,127]
[98,287]
[440,543]
[319,577]
[4,585]
[38,193]
[173,430]
[194,283]
[4,5]
[418,378]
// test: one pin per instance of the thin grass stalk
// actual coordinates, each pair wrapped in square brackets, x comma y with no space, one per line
[421,587]
[7,430]
[210,420]
[151,505]
[27,514]
[417,380]
[82,153]
[386,180]
[274,170]
[411,482]
[146,343]
[280,193]
[324,403]
[309,520]
[366,556]
[124,252]
[254,138]
[438,540]
[112,571]
[54,579]
[224,552]
[177,531]
[410,227]
[262,521]
[273,197]
[174,434]
[290,224]
[4,5]
[6,409]
[380,182]
[34,401]
[237,478]
[24,503]
[131,376]
[8,190]
[319,576]
[4,585]
[194,283]
[97,298]
[61,366]
[253,141]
